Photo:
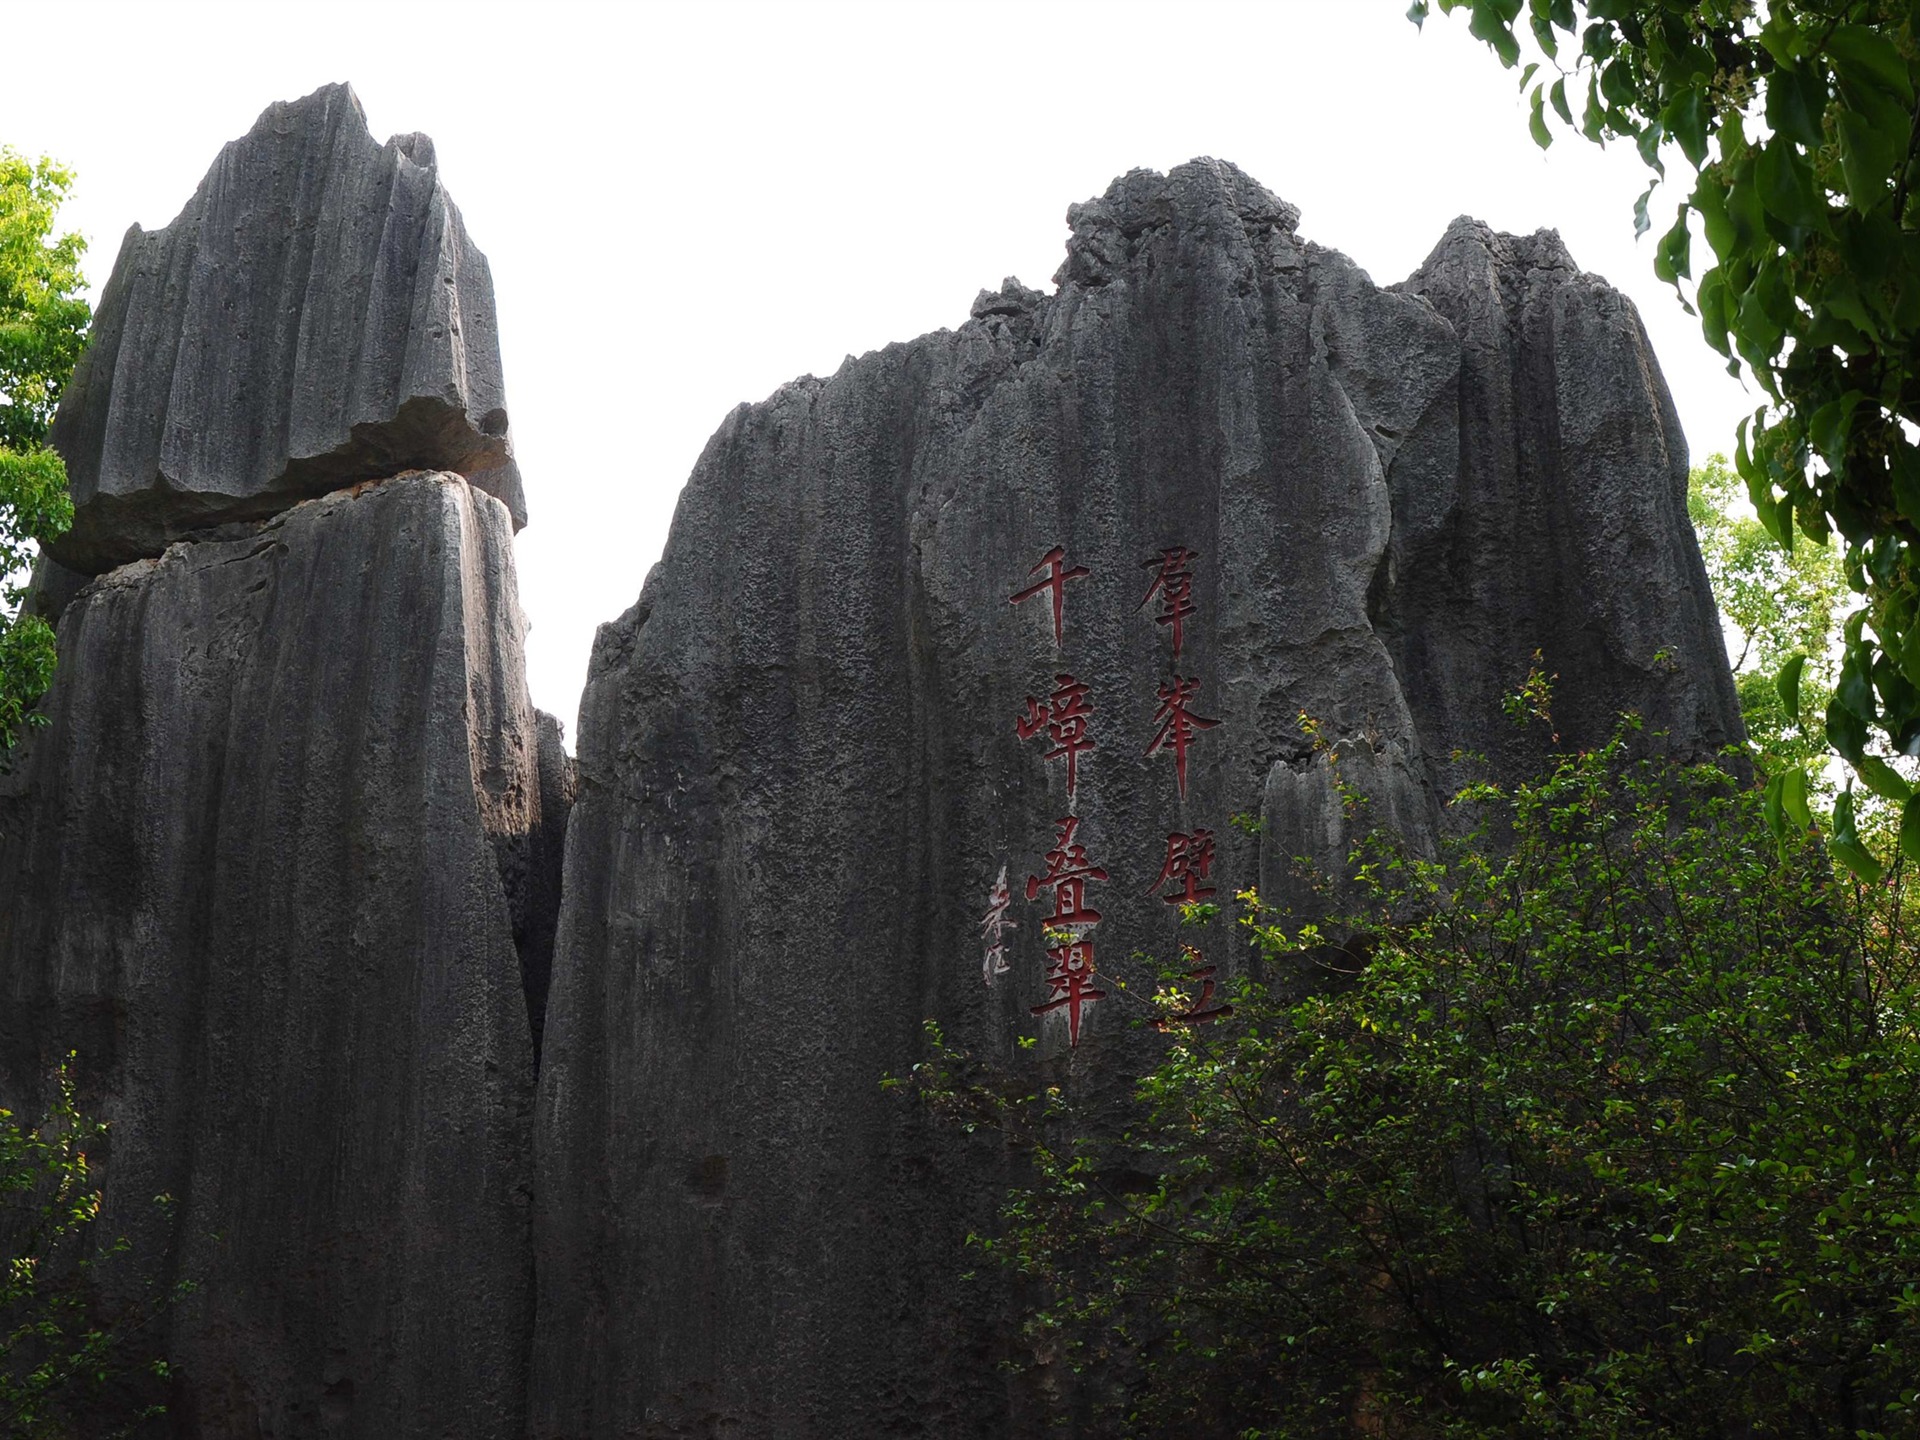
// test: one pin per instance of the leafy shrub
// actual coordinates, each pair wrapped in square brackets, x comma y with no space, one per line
[1607,1129]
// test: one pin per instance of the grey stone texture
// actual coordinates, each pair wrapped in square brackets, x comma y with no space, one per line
[309,886]
[263,871]
[316,315]
[800,774]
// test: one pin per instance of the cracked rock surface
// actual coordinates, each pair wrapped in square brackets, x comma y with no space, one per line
[802,771]
[316,315]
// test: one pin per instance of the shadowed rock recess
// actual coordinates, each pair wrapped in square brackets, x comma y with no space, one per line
[956,676]
[956,619]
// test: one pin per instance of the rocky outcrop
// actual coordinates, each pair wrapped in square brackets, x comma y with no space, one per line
[315,315]
[1545,508]
[252,878]
[966,671]
[282,869]
[962,666]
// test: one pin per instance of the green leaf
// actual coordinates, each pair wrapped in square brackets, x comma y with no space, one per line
[1417,13]
[1673,256]
[1787,685]
[1796,99]
[1785,182]
[1793,798]
[1868,157]
[1870,244]
[1641,223]
[1830,428]
[1558,95]
[1867,57]
[1773,808]
[1854,690]
[1685,118]
[1813,521]
[1882,779]
[1846,732]
[1543,35]
[1711,297]
[1593,119]
[1903,469]
[1647,142]
[1493,22]
[1757,319]
[1538,122]
[1845,844]
[1910,830]
[1774,512]
[1841,300]
[1616,83]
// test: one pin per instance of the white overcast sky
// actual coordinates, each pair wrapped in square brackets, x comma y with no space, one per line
[686,205]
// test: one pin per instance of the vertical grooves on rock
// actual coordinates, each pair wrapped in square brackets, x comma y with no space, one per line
[315,315]
[831,630]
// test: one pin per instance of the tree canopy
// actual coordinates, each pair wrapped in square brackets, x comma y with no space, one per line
[1800,124]
[43,323]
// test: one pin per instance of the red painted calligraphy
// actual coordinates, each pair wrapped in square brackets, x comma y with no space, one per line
[1054,562]
[1178,724]
[1173,583]
[1189,858]
[993,929]
[1064,717]
[1070,984]
[1198,1014]
[1068,871]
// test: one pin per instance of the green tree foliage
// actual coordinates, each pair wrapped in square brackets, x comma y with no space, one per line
[1801,122]
[1609,1136]
[43,323]
[1784,606]
[57,1356]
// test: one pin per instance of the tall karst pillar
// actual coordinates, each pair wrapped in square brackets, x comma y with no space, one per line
[266,867]
[957,673]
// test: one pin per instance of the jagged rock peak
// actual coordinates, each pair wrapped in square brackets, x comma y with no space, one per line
[1204,193]
[1472,254]
[316,315]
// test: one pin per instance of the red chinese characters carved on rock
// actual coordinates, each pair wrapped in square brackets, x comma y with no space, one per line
[1054,562]
[1068,871]
[1173,583]
[1189,858]
[1199,1014]
[1178,724]
[1064,716]
[1070,984]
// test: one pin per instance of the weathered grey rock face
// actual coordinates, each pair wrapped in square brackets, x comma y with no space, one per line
[1545,508]
[263,871]
[315,315]
[838,776]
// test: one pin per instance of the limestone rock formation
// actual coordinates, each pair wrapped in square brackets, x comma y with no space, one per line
[1545,507]
[315,315]
[962,669]
[992,636]
[252,878]
[283,867]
